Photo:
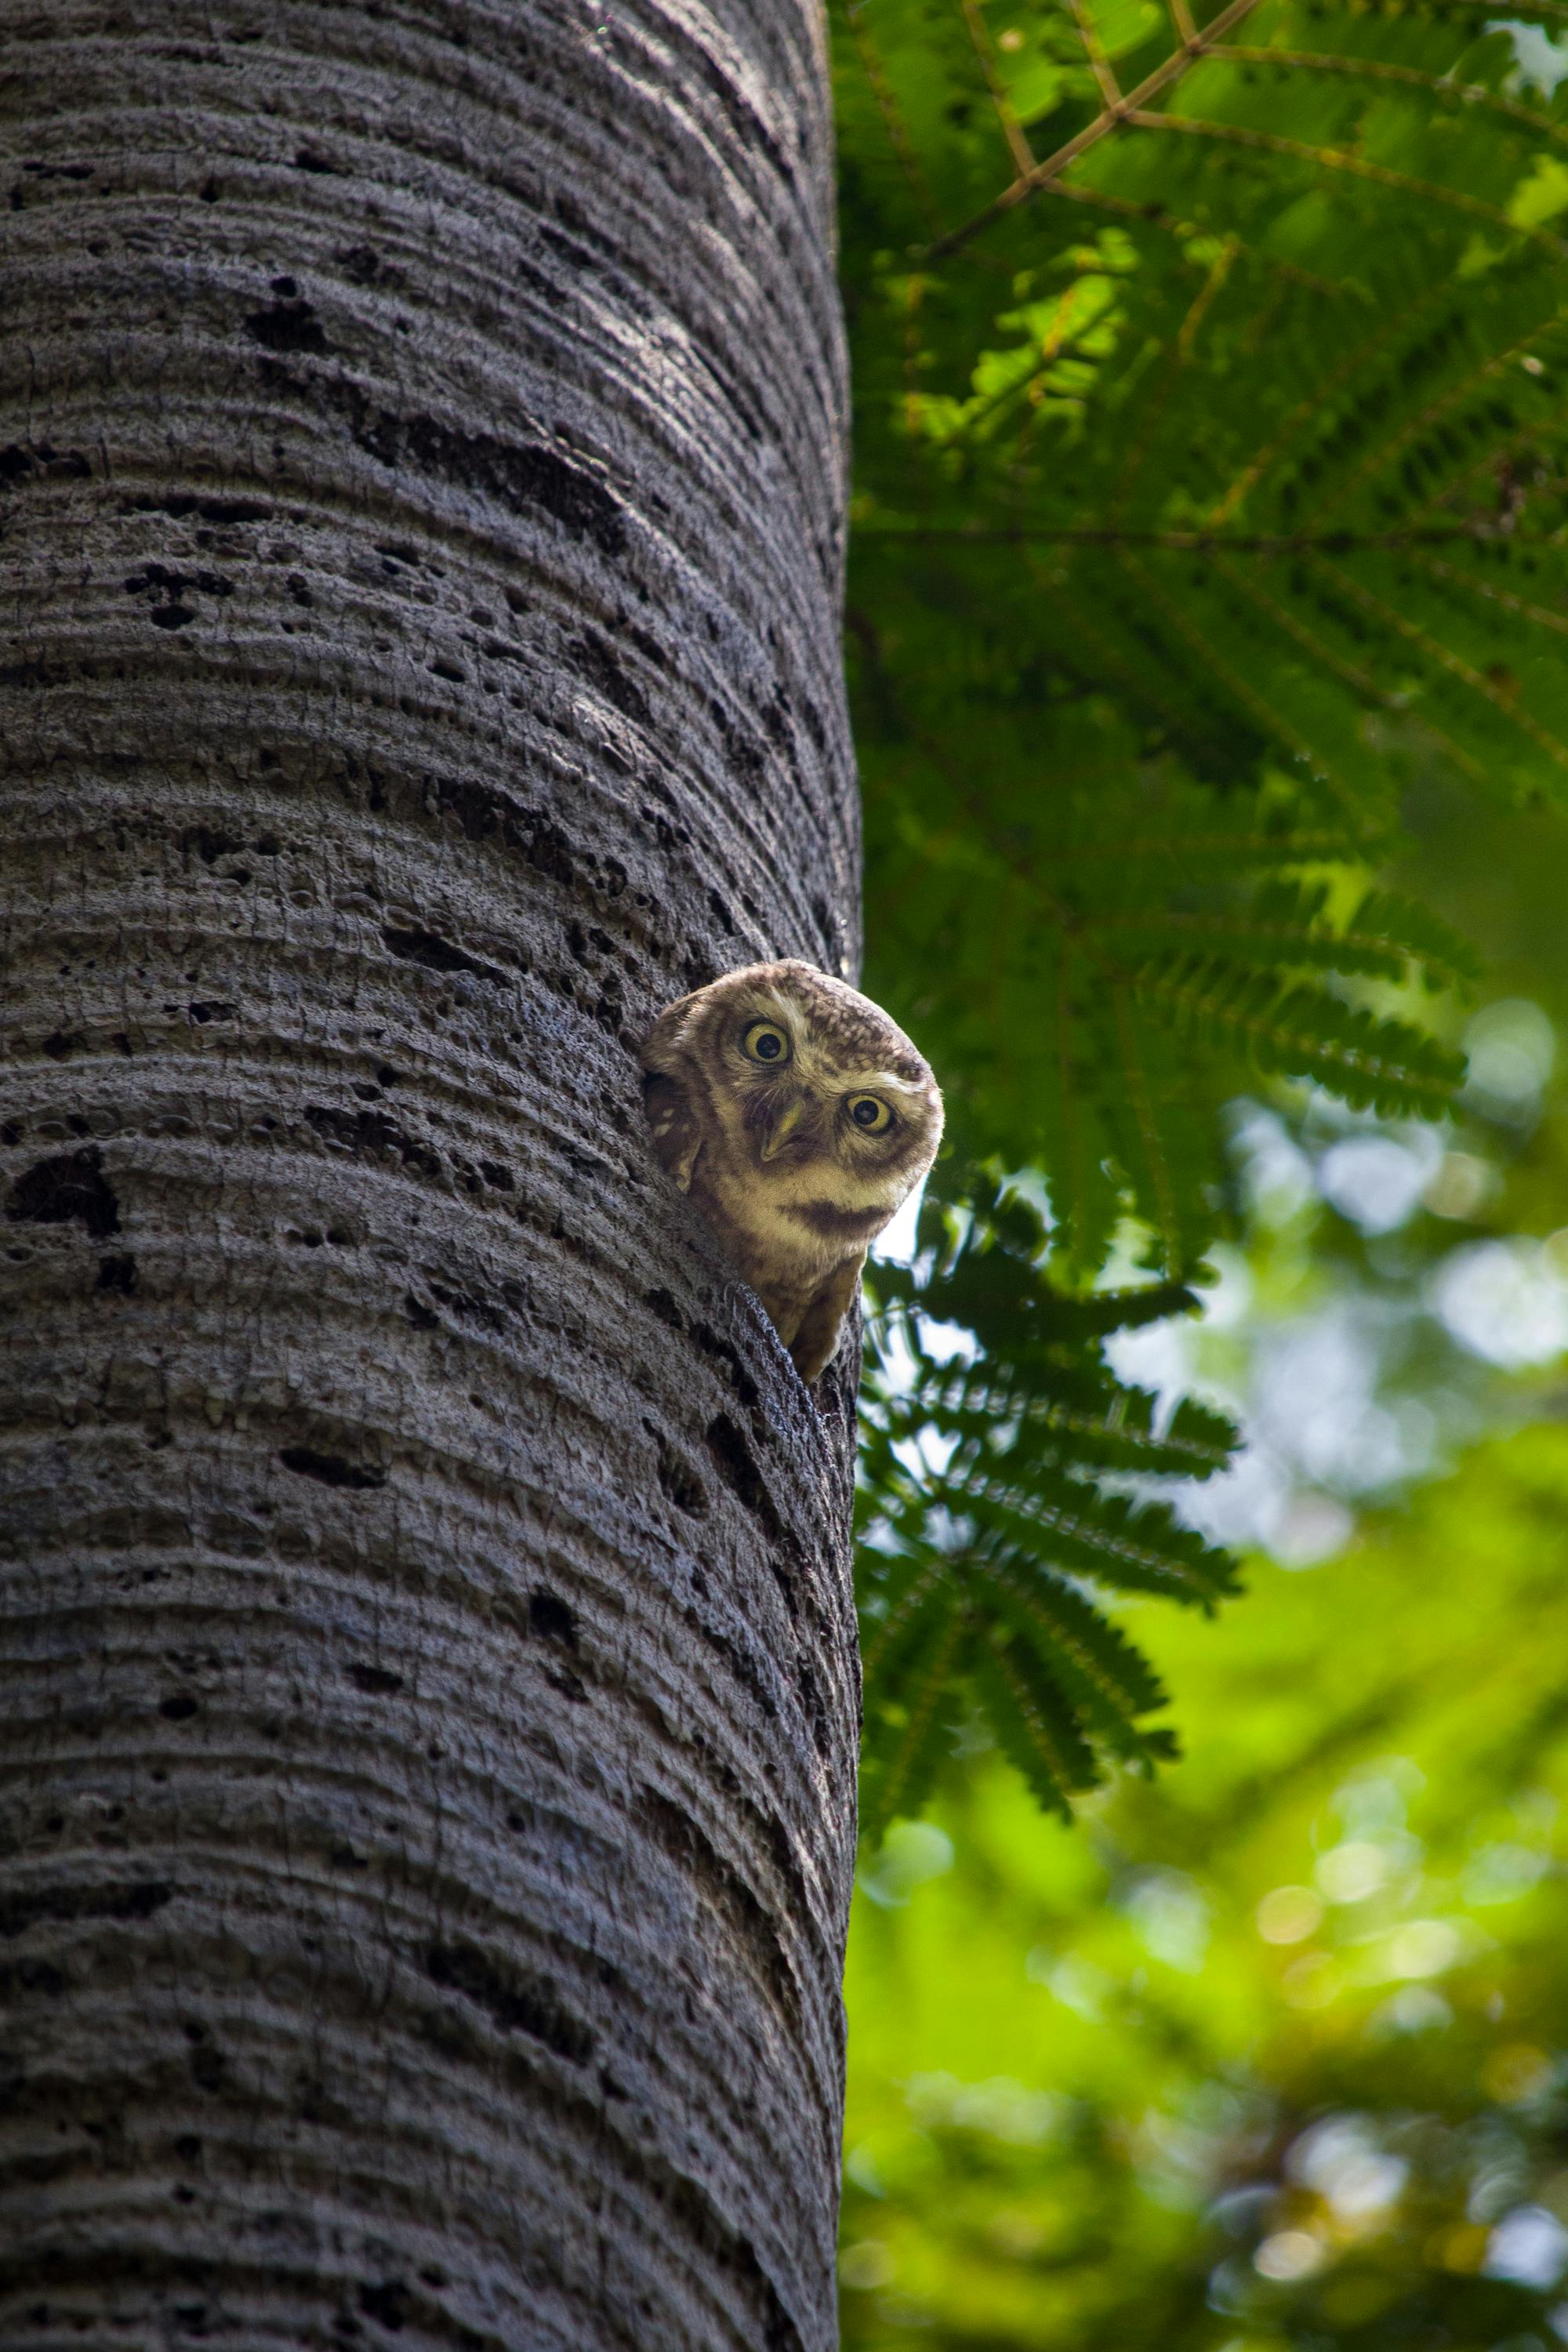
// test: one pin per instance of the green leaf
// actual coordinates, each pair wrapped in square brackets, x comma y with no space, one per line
[1210,498]
[993,1532]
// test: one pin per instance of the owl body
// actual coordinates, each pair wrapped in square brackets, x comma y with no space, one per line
[798,1118]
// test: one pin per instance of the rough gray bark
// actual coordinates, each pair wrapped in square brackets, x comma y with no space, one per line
[426,1675]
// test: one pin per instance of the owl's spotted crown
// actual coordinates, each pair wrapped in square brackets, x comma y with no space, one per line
[799,1119]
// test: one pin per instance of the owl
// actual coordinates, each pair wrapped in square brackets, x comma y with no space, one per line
[799,1119]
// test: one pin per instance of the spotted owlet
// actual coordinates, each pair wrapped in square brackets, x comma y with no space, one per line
[799,1119]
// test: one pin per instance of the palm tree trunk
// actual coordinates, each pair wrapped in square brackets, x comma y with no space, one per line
[428,1685]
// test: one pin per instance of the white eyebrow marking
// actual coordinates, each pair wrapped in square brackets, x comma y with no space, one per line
[886,1082]
[787,1014]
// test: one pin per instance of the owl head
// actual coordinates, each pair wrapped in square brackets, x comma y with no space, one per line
[797,1113]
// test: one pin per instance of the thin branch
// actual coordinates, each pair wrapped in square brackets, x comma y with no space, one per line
[1155,216]
[1028,184]
[1018,147]
[1094,47]
[1179,354]
[1557,9]
[1336,159]
[1540,613]
[1374,70]
[893,122]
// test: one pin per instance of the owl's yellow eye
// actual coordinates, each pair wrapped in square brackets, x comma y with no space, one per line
[764,1040]
[870,1113]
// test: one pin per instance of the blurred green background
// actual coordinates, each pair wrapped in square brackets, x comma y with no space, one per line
[1216,498]
[1271,2050]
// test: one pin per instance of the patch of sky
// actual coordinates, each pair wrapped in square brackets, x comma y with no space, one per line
[1510,1046]
[1349,1389]
[910,1856]
[1341,2159]
[1170,1916]
[1505,1301]
[1529,2246]
[1537,61]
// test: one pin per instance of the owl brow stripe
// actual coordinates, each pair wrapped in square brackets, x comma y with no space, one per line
[869,1080]
[769,1005]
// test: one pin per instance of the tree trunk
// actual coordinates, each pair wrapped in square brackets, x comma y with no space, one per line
[428,1687]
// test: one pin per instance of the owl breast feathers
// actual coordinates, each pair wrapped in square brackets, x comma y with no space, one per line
[799,1119]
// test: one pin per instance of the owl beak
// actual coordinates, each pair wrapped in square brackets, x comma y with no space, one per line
[784,1127]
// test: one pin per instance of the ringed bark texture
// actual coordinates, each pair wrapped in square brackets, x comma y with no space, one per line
[428,1688]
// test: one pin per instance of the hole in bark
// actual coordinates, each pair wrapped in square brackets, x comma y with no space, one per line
[744,1667]
[377,1681]
[209,846]
[389,2304]
[600,666]
[140,1900]
[515,2000]
[208,2069]
[178,1709]
[549,1615]
[436,954]
[370,1133]
[117,1273]
[720,1348]
[290,324]
[734,1457]
[680,1482]
[67,1190]
[330,1469]
[40,1976]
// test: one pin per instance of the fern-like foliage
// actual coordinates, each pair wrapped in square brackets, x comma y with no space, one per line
[991,1518]
[1211,477]
[1212,487]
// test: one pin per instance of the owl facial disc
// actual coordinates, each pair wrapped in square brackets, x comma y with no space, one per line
[798,1118]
